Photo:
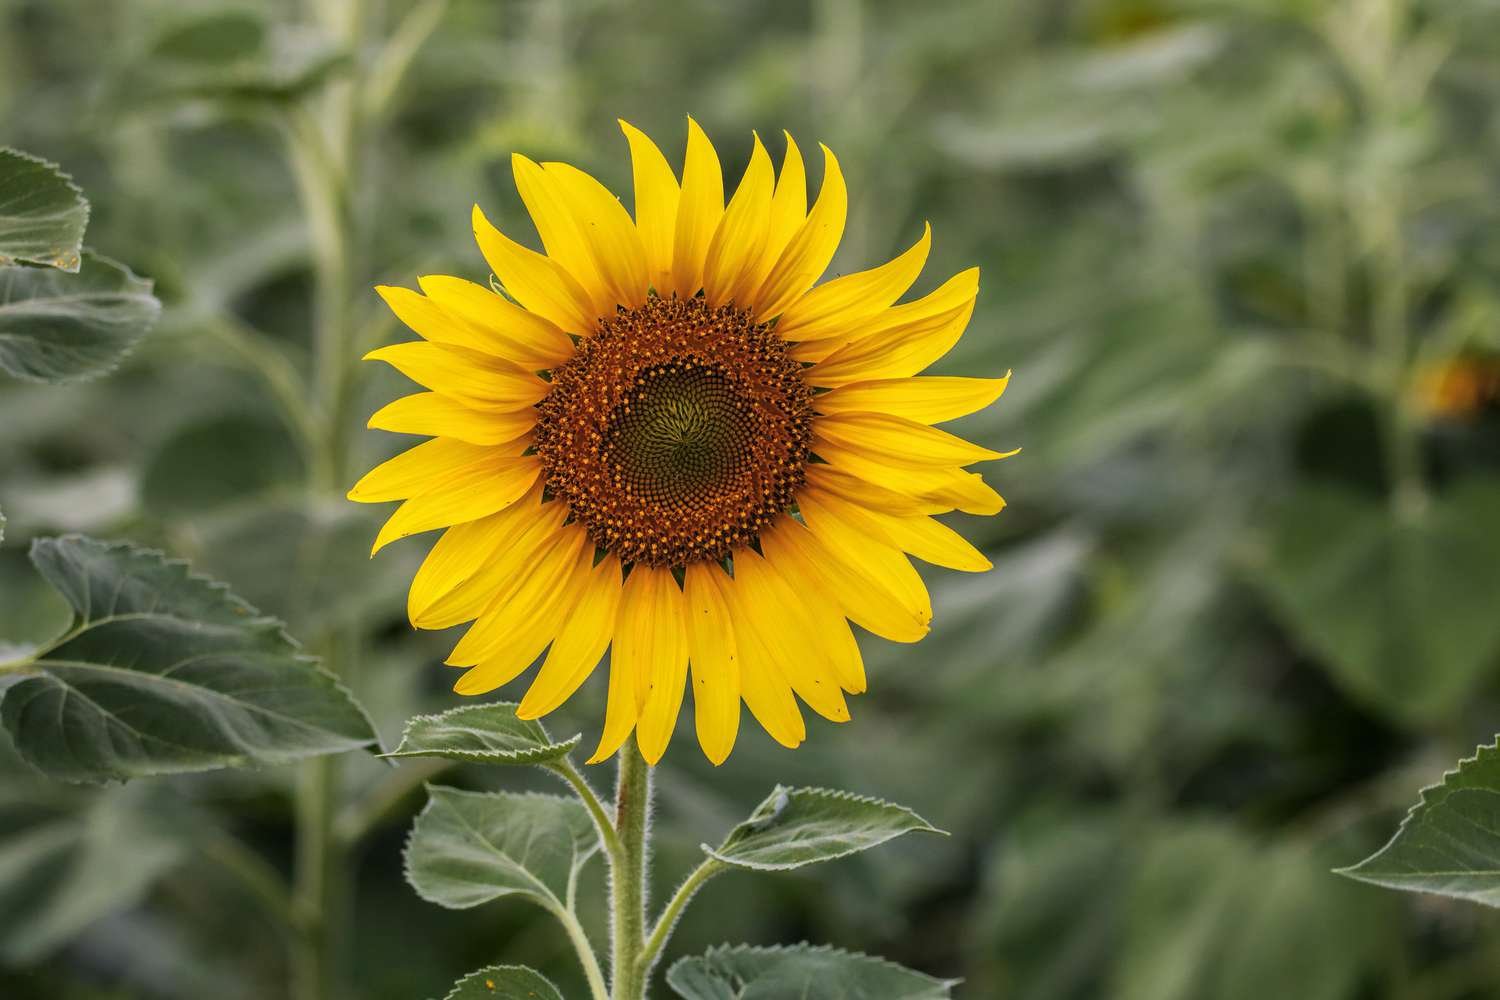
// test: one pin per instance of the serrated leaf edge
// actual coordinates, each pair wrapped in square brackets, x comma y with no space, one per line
[834,793]
[491,969]
[72,185]
[412,833]
[125,352]
[255,618]
[807,946]
[1424,801]
[479,756]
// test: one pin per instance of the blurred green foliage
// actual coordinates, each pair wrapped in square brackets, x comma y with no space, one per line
[1242,256]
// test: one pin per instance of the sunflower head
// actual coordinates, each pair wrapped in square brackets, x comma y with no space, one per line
[664,439]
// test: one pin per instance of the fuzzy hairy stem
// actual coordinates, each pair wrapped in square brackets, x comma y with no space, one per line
[628,874]
[672,913]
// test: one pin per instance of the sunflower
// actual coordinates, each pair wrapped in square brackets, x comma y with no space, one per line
[663,438]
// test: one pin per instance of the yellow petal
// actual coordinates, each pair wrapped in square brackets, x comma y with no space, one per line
[466,375]
[929,399]
[565,241]
[464,549]
[767,693]
[519,545]
[518,614]
[870,604]
[508,331]
[715,661]
[698,211]
[789,203]
[608,232]
[898,440]
[838,655]
[527,636]
[537,282]
[826,477]
[905,340]
[646,647]
[810,249]
[654,641]
[418,468]
[731,270]
[968,492]
[931,541]
[430,320]
[525,597]
[579,645]
[841,529]
[809,654]
[830,309]
[656,198]
[435,415]
[942,488]
[461,497]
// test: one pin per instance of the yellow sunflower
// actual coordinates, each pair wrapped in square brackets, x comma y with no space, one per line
[665,437]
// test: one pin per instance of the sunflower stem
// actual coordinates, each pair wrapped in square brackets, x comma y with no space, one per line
[585,792]
[667,922]
[317,874]
[586,957]
[628,873]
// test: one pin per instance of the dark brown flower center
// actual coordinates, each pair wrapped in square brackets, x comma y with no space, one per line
[676,432]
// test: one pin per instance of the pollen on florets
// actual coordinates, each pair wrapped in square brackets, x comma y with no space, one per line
[677,432]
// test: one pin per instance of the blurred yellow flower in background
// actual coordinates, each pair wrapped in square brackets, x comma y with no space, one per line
[667,438]
[1458,389]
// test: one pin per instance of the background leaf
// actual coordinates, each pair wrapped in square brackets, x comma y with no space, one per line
[481,734]
[503,982]
[1450,841]
[802,971]
[469,848]
[1401,610]
[57,327]
[163,672]
[803,826]
[227,460]
[42,213]
[65,862]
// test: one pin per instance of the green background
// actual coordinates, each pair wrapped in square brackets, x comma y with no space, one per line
[1244,601]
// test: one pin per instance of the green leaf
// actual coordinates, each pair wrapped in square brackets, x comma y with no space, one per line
[482,734]
[164,671]
[469,848]
[309,567]
[1400,612]
[65,863]
[42,213]
[802,971]
[213,38]
[218,462]
[802,826]
[504,982]
[1449,843]
[1211,912]
[274,64]
[57,327]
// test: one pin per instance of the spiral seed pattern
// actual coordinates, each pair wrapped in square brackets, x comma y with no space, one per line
[676,432]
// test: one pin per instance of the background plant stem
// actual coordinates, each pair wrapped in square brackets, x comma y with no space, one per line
[323,139]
